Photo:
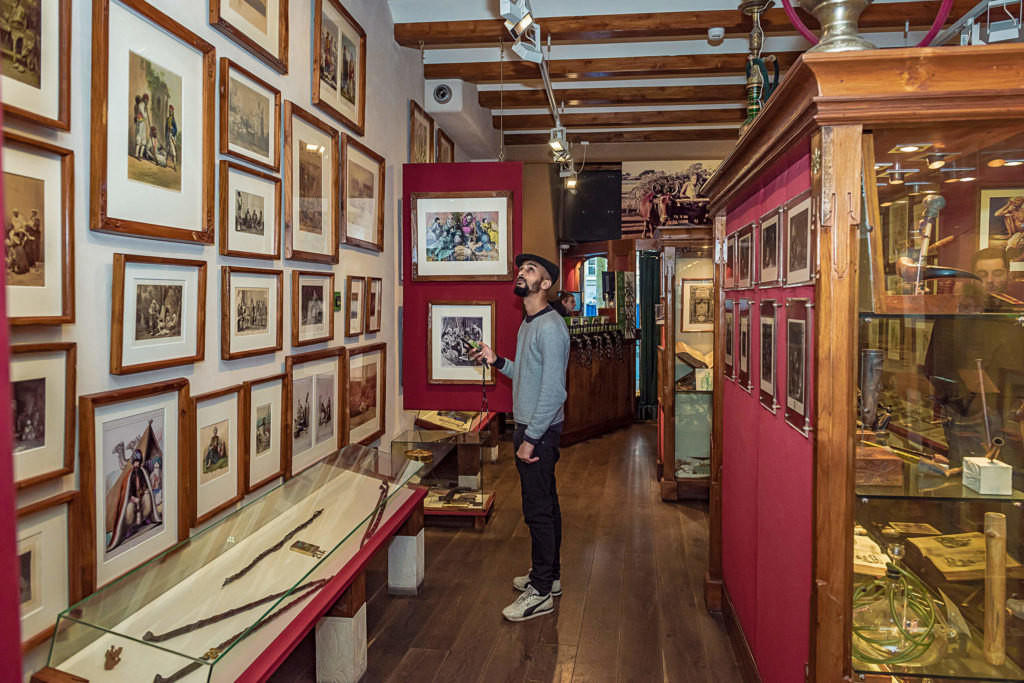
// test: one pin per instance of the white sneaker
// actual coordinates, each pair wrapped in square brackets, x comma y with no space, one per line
[521,582]
[529,605]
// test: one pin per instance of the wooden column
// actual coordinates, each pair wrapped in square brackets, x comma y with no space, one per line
[713,577]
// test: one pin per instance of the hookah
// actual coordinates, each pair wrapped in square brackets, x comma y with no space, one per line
[759,88]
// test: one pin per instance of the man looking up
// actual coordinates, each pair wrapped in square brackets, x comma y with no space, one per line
[538,393]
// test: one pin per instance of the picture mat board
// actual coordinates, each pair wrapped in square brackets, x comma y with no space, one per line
[440,369]
[798,357]
[358,365]
[266,465]
[245,21]
[46,535]
[363,215]
[258,342]
[251,91]
[48,103]
[745,256]
[355,292]
[799,241]
[769,252]
[373,309]
[224,486]
[320,446]
[692,318]
[235,242]
[329,93]
[302,241]
[500,203]
[311,328]
[55,456]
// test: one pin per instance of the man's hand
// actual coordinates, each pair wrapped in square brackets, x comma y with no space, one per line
[525,453]
[484,354]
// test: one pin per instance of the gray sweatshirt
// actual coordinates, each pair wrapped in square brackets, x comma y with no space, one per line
[538,372]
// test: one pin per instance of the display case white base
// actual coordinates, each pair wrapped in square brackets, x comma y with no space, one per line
[341,648]
[988,477]
[405,564]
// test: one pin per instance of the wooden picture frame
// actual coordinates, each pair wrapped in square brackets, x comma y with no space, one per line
[256,315]
[261,466]
[355,295]
[364,429]
[697,312]
[729,339]
[330,84]
[374,309]
[730,262]
[744,332]
[801,247]
[156,322]
[312,324]
[53,189]
[123,416]
[357,228]
[223,409]
[799,342]
[135,188]
[421,135]
[769,252]
[20,97]
[29,377]
[745,256]
[989,213]
[311,366]
[319,241]
[246,33]
[448,361]
[232,136]
[445,148]
[242,237]
[767,327]
[436,221]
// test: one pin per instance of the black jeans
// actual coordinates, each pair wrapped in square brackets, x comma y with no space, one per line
[540,506]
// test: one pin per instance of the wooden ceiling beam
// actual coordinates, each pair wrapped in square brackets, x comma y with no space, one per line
[600,97]
[691,135]
[637,119]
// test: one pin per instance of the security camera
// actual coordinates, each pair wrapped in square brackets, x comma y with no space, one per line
[442,94]
[716,34]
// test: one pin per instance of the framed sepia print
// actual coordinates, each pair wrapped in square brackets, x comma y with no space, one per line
[135,447]
[374,304]
[449,325]
[698,312]
[743,335]
[798,345]
[216,477]
[260,26]
[251,306]
[316,393]
[744,256]
[445,148]
[39,244]
[153,103]
[769,255]
[768,337]
[158,317]
[459,235]
[42,380]
[367,387]
[312,314]
[250,212]
[799,239]
[36,61]
[729,322]
[250,116]
[1001,222]
[46,552]
[355,292]
[730,262]
[311,151]
[339,81]
[264,429]
[362,223]
[421,135]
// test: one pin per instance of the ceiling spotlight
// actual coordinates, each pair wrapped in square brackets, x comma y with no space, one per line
[517,16]
[557,141]
[1014,162]
[896,177]
[935,161]
[996,163]
[561,157]
[570,182]
[910,148]
[880,165]
[885,204]
[967,179]
[952,179]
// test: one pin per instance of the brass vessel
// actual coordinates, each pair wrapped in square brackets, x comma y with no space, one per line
[838,19]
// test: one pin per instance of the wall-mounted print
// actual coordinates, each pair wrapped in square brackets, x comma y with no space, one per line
[657,193]
[250,117]
[374,304]
[367,387]
[42,378]
[216,476]
[744,257]
[421,135]
[445,148]
[698,312]
[339,80]
[153,104]
[312,317]
[46,546]
[744,339]
[1001,222]
[362,224]
[355,292]
[251,305]
[158,317]
[35,60]
[798,356]
[769,253]
[39,243]
[729,337]
[799,241]
[730,261]
[311,151]
[263,450]
[250,212]
[316,396]
[461,235]
[260,26]
[450,326]
[135,444]
[767,335]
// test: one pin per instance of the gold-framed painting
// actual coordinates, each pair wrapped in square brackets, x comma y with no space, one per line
[42,379]
[35,61]
[260,26]
[216,477]
[339,79]
[362,200]
[251,306]
[421,135]
[367,392]
[311,152]
[250,117]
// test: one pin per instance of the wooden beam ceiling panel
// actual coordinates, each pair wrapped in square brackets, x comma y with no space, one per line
[692,135]
[632,119]
[600,97]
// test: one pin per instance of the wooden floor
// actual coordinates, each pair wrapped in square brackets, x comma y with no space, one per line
[632,577]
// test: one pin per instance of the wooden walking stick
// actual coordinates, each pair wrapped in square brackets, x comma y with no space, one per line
[995,588]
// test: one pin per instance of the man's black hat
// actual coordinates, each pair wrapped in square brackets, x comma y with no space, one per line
[548,265]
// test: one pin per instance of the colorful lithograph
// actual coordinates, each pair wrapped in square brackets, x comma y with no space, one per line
[35,61]
[217,478]
[460,235]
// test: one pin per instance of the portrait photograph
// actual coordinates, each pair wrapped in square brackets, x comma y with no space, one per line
[251,307]
[698,306]
[445,148]
[316,388]
[217,479]
[45,545]
[461,234]
[311,152]
[355,291]
[744,256]
[729,320]
[367,366]
[766,378]
[312,311]
[800,266]
[421,135]
[339,82]
[250,210]
[768,256]
[264,408]
[1001,222]
[451,325]
[259,26]
[250,117]
[374,303]
[363,199]
[35,60]
[42,378]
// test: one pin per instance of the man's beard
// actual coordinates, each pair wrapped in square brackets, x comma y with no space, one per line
[523,290]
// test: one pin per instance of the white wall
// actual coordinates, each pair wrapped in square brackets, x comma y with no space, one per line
[394,75]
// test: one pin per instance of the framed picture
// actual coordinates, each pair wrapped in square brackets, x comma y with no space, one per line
[1001,222]
[421,135]
[769,256]
[362,196]
[216,479]
[158,317]
[799,241]
[355,292]
[260,26]
[766,379]
[374,304]
[367,397]
[894,339]
[445,148]
[153,122]
[897,231]
[264,431]
[339,82]
[449,324]
[42,380]
[250,213]
[744,256]
[316,393]
[251,306]
[730,261]
[36,61]
[135,449]
[729,322]
[698,313]
[312,317]
[250,116]
[47,548]
[39,244]
[743,375]
[311,151]
[460,235]
[798,345]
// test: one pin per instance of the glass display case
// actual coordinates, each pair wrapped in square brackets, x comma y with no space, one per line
[206,609]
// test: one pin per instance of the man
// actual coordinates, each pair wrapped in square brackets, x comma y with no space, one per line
[538,392]
[141,115]
[171,137]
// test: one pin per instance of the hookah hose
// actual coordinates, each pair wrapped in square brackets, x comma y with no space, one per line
[940,19]
[918,601]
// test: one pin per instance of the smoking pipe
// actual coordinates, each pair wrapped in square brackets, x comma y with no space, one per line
[913,272]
